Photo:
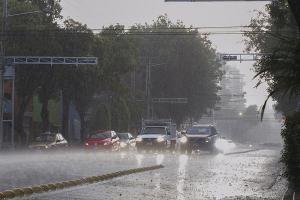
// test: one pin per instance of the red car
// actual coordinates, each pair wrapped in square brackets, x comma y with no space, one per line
[107,140]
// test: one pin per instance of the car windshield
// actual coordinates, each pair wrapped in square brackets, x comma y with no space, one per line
[123,136]
[199,130]
[45,138]
[154,130]
[101,135]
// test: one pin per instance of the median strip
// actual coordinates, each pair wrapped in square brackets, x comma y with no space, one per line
[20,192]
[240,152]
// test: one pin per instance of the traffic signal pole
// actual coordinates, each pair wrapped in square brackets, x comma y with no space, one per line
[2,64]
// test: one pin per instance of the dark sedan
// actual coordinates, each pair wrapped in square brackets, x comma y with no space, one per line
[48,140]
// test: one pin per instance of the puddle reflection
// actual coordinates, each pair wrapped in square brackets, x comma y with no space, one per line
[183,159]
[123,155]
[159,159]
[139,158]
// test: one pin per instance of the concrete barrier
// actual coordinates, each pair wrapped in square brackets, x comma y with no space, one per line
[20,192]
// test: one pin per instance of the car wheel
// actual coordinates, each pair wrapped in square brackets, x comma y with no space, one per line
[189,150]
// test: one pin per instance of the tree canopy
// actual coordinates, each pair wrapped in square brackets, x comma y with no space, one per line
[188,68]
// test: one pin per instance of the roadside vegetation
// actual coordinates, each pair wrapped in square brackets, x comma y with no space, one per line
[276,31]
[110,95]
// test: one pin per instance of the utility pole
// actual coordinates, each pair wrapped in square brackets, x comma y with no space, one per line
[148,88]
[2,65]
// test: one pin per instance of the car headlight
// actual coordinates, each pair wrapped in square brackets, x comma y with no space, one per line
[183,139]
[123,144]
[160,139]
[86,144]
[46,147]
[107,143]
[207,139]
[139,139]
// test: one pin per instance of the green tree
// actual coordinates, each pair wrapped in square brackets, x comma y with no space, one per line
[187,67]
[26,35]
[76,39]
[277,33]
[118,55]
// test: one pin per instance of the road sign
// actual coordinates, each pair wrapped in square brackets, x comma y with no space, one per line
[9,72]
[229,58]
[170,100]
[37,60]
[242,56]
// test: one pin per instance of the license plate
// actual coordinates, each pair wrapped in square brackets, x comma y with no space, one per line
[149,143]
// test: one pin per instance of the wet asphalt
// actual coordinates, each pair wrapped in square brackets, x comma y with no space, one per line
[242,173]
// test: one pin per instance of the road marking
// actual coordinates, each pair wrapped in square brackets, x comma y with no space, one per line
[20,192]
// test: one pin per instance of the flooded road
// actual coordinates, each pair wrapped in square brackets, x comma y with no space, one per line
[241,174]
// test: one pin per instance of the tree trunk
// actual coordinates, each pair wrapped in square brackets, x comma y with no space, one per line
[295,8]
[65,115]
[82,126]
[45,115]
[20,118]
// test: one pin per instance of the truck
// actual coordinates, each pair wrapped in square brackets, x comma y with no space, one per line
[157,134]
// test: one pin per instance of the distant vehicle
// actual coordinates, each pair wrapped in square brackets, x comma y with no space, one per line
[199,137]
[157,135]
[49,140]
[106,140]
[127,141]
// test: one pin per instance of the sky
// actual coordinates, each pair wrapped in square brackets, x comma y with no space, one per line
[99,13]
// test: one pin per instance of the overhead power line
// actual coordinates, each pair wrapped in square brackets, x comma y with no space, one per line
[167,33]
[161,28]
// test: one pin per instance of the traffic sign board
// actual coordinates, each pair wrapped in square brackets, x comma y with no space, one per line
[169,100]
[37,60]
[242,56]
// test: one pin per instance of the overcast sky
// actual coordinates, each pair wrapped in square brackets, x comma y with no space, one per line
[99,13]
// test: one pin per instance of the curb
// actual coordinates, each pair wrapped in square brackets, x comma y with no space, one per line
[20,192]
[240,152]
